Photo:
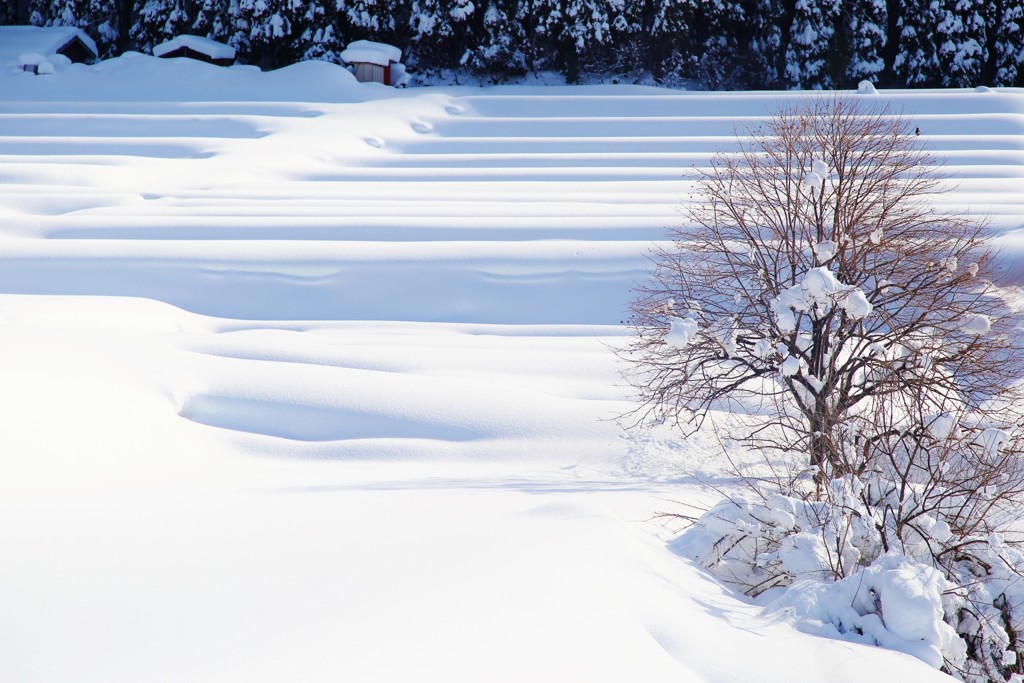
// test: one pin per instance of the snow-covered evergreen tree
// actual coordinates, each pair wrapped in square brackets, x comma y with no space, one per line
[59,12]
[271,31]
[442,32]
[8,12]
[650,37]
[589,22]
[99,18]
[580,35]
[316,36]
[865,27]
[917,62]
[543,22]
[237,30]
[767,41]
[592,31]
[212,20]
[555,38]
[1004,23]
[373,19]
[498,44]
[721,53]
[959,37]
[108,26]
[810,39]
[531,16]
[157,21]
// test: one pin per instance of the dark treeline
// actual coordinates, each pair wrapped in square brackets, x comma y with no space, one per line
[723,44]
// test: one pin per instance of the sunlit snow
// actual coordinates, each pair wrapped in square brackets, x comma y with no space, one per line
[308,380]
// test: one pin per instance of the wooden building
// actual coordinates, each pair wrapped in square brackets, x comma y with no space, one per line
[196,47]
[373,62]
[32,47]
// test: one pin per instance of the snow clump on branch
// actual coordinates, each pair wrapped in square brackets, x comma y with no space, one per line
[682,332]
[814,181]
[976,324]
[824,250]
[819,292]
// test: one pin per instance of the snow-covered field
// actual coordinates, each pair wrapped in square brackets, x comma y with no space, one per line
[305,380]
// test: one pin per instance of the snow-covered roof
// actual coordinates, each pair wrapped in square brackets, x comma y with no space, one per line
[206,46]
[40,40]
[371,52]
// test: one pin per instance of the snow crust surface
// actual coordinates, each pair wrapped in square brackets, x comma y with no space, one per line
[307,380]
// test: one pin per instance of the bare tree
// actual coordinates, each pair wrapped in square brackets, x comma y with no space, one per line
[816,288]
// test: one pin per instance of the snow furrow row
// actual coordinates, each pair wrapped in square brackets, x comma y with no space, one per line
[461,172]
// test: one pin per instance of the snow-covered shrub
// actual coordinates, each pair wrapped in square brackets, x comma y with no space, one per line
[990,574]
[956,603]
[759,543]
[895,602]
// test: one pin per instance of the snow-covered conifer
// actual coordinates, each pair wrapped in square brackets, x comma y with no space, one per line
[810,38]
[315,34]
[157,21]
[59,13]
[573,36]
[212,20]
[767,42]
[372,19]
[865,26]
[543,22]
[1004,42]
[322,43]
[497,50]
[271,30]
[8,12]
[98,18]
[959,37]
[722,56]
[442,32]
[917,61]
[234,28]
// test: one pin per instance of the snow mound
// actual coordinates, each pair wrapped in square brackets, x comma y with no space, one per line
[895,603]
[866,88]
[135,77]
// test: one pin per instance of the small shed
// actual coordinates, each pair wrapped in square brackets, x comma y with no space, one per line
[374,62]
[196,47]
[31,47]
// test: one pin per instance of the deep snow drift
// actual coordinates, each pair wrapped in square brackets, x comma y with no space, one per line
[310,380]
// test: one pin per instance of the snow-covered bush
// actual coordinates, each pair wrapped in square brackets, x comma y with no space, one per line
[759,543]
[954,602]
[895,602]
